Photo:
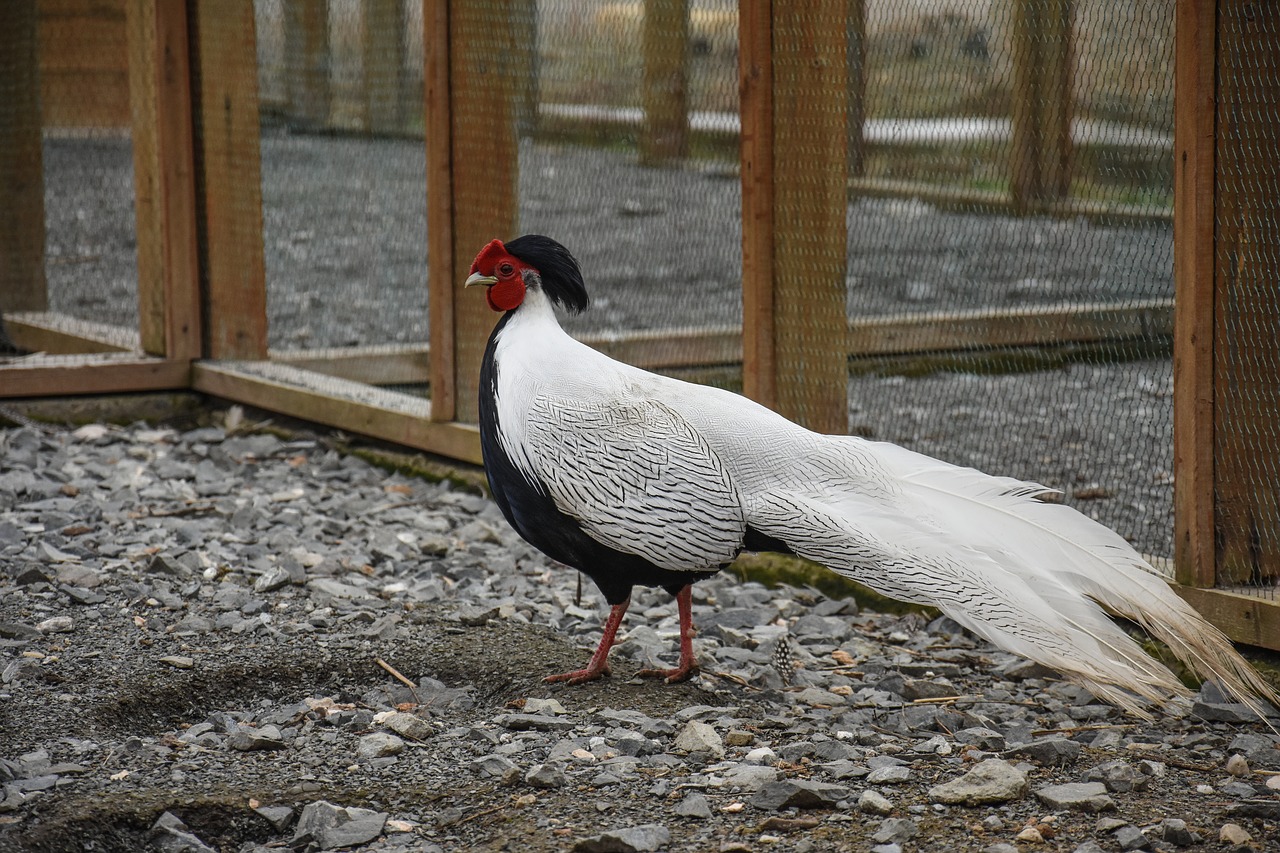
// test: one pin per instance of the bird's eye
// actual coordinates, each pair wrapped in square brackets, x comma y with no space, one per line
[506,269]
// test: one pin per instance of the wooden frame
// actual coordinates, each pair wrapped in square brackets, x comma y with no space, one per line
[1193,231]
[164,179]
[793,80]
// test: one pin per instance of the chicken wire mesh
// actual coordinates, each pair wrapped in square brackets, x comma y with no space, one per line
[1009,166]
[65,108]
[343,172]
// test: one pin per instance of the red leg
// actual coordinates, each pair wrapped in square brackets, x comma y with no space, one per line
[599,665]
[687,666]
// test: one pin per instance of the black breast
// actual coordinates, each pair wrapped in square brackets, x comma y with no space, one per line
[530,510]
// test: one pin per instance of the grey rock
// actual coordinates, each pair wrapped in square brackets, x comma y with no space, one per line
[895,830]
[331,827]
[1175,831]
[693,805]
[1223,712]
[278,816]
[873,802]
[171,835]
[981,737]
[699,737]
[378,745]
[991,781]
[636,839]
[800,794]
[499,767]
[1129,837]
[249,740]
[546,776]
[1077,796]
[535,722]
[750,777]
[1050,751]
[406,725]
[1119,776]
[889,775]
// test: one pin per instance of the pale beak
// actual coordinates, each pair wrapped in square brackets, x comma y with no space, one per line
[477,278]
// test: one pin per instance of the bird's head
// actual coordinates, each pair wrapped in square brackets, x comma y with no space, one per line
[531,262]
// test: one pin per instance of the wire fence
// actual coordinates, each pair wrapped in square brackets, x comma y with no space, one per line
[1006,292]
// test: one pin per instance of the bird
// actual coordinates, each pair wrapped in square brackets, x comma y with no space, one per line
[638,479]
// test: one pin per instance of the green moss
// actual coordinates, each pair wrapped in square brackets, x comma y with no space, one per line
[774,570]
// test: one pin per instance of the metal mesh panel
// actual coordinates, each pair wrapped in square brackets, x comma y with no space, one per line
[66,109]
[648,200]
[1013,202]
[1247,304]
[343,176]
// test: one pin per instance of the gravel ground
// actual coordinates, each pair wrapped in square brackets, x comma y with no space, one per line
[193,622]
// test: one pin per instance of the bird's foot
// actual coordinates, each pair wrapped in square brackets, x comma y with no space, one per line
[579,676]
[672,676]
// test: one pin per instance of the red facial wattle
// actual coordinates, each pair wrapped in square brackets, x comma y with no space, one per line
[507,294]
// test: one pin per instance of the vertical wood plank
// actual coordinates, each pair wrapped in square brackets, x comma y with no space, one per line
[805,186]
[441,280]
[1041,148]
[229,179]
[22,234]
[164,179]
[484,77]
[306,55]
[382,72]
[665,135]
[1193,273]
[1246,311]
[755,88]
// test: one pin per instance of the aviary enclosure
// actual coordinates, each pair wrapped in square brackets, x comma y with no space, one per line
[1040,237]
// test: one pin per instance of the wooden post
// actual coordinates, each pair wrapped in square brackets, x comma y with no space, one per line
[856,57]
[306,56]
[793,97]
[22,236]
[164,179]
[1193,273]
[229,180]
[1246,310]
[1041,153]
[382,73]
[472,87]
[665,135]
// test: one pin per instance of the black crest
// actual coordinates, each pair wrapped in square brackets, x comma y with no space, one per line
[561,276]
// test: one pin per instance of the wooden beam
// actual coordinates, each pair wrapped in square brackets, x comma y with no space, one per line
[350,406]
[441,281]
[474,80]
[1245,618]
[164,179]
[799,369]
[1041,150]
[45,331]
[99,373]
[1246,310]
[386,364]
[1193,273]
[382,73]
[665,83]
[22,236]
[307,60]
[692,347]
[229,180]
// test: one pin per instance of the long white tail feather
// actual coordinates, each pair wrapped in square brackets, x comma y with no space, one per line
[1036,578]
